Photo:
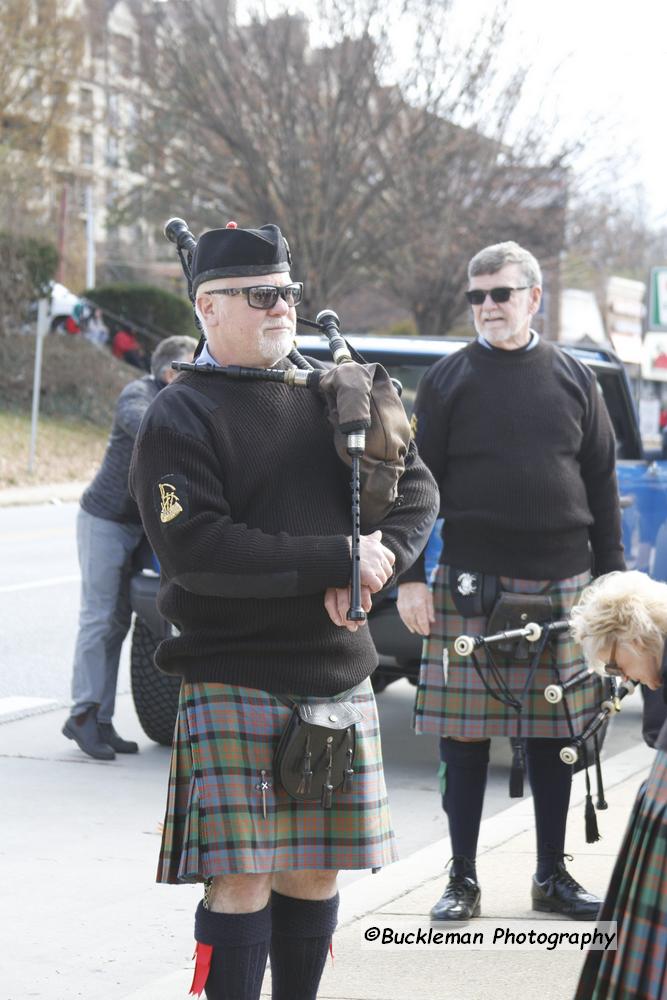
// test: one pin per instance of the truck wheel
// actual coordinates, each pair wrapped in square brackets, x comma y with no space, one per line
[155,694]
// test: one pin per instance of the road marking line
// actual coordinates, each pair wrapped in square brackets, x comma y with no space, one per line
[33,584]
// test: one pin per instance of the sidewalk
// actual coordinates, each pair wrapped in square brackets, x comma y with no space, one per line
[407,890]
[80,841]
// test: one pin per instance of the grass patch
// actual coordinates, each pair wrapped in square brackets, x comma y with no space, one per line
[66,450]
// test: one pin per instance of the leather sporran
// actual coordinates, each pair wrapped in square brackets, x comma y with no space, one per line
[515,611]
[315,755]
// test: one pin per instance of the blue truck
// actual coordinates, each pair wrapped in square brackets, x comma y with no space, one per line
[642,480]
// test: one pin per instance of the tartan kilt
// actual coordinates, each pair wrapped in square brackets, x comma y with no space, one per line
[451,699]
[637,900]
[225,737]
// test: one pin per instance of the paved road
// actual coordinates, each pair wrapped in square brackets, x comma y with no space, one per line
[38,614]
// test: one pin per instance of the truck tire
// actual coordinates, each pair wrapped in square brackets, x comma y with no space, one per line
[155,694]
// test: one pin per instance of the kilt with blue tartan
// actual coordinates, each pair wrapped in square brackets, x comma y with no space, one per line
[637,900]
[223,750]
[451,698]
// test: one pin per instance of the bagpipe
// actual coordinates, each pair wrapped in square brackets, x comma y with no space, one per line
[576,752]
[362,403]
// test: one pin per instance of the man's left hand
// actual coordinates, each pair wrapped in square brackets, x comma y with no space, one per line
[337,603]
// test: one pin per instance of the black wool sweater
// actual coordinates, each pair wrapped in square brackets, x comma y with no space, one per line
[247,507]
[523,451]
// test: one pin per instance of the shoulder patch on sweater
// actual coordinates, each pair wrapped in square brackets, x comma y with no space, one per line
[170,496]
[414,421]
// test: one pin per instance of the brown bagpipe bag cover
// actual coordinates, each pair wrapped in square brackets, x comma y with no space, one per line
[363,397]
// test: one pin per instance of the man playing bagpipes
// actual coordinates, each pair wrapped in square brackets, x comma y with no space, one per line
[276,777]
[516,433]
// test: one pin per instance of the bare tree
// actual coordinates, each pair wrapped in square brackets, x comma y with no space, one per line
[392,181]
[40,48]
[609,234]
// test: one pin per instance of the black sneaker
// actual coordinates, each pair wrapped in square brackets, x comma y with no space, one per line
[109,735]
[83,730]
[561,893]
[461,900]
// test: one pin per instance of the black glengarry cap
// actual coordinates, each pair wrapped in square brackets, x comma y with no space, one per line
[239,253]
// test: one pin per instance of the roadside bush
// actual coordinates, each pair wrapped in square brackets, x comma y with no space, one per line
[145,308]
[27,265]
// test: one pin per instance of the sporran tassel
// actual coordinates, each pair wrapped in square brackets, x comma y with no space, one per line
[304,785]
[349,771]
[327,787]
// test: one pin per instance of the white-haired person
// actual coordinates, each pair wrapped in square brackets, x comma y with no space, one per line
[621,622]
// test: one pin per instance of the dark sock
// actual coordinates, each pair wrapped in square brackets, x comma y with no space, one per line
[551,782]
[464,770]
[240,948]
[302,931]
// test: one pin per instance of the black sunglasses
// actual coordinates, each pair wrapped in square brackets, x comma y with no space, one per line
[477,295]
[265,296]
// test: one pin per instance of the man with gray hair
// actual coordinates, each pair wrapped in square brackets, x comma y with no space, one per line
[108,532]
[517,436]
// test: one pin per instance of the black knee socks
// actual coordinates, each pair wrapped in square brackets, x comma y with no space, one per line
[465,766]
[302,930]
[551,782]
[240,947]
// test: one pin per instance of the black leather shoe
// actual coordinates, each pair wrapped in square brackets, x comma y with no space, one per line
[83,730]
[109,735]
[461,900]
[563,894]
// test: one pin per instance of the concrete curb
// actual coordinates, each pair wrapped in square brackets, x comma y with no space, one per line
[15,496]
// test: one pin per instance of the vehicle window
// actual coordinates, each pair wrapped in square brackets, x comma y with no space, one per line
[617,408]
[408,376]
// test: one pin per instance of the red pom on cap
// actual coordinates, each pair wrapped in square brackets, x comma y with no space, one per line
[232,225]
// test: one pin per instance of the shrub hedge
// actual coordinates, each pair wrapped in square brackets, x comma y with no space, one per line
[144,307]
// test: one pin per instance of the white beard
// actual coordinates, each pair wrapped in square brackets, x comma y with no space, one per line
[274,346]
[497,336]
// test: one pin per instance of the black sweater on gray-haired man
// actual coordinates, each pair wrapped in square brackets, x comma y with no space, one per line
[517,436]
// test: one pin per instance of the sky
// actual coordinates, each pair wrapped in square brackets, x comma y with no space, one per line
[590,59]
[613,63]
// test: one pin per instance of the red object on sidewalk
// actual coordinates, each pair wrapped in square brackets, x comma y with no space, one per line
[203,954]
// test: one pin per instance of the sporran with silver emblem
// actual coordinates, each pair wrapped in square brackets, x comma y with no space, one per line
[315,755]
